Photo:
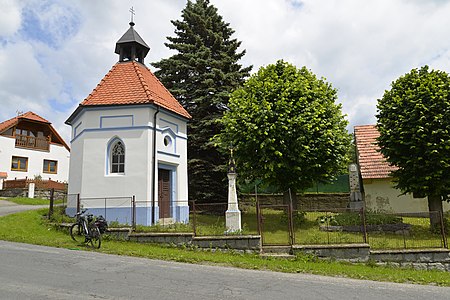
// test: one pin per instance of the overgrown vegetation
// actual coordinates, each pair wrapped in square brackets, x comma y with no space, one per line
[31,227]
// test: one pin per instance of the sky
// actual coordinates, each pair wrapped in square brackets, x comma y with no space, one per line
[53,53]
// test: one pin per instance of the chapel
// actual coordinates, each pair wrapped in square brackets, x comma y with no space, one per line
[129,145]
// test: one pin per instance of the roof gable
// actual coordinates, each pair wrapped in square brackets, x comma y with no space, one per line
[130,83]
[371,162]
[33,117]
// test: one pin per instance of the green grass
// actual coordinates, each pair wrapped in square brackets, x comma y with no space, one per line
[31,201]
[30,227]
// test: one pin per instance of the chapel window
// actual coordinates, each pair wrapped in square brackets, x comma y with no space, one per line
[118,158]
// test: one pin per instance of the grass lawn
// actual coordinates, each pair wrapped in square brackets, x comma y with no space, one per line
[30,227]
[31,201]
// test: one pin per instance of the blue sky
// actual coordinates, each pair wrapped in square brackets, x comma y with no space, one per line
[54,52]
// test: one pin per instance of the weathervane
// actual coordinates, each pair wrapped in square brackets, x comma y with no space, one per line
[132,11]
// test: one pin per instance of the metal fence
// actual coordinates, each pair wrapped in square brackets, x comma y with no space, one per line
[108,207]
[282,225]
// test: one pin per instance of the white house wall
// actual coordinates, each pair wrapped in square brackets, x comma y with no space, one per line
[35,160]
[91,133]
[380,195]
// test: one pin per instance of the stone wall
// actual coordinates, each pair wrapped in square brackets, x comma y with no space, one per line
[347,252]
[418,259]
[38,193]
[421,259]
[247,243]
[319,201]
[425,259]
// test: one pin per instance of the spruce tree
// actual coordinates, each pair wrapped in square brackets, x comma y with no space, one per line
[201,75]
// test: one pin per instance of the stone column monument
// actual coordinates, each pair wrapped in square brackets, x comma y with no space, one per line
[356,199]
[233,214]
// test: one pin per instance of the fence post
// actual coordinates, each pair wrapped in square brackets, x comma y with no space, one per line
[444,237]
[363,219]
[50,209]
[78,203]
[194,225]
[133,212]
[258,217]
[290,219]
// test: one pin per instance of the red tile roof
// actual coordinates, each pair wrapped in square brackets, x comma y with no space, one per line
[371,162]
[31,116]
[26,116]
[133,83]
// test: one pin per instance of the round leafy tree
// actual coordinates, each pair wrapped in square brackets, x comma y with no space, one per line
[414,125]
[286,128]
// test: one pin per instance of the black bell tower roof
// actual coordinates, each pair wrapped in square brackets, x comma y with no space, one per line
[131,46]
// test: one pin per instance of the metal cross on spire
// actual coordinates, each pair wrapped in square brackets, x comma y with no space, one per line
[132,11]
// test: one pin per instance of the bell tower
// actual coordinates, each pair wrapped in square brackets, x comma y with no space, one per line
[131,47]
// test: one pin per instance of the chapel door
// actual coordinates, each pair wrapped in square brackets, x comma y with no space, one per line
[164,193]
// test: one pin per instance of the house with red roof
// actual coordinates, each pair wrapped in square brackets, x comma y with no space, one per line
[378,188]
[129,139]
[30,147]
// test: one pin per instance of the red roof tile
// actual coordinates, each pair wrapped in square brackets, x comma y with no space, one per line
[133,83]
[371,162]
[31,116]
[26,116]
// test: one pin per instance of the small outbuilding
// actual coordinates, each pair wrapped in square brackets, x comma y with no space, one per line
[379,193]
[129,141]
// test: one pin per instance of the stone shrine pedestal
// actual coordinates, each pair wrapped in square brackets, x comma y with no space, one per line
[233,214]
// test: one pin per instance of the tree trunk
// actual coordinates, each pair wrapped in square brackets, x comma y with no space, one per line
[287,198]
[435,209]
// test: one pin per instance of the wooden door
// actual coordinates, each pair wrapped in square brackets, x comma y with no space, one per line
[164,193]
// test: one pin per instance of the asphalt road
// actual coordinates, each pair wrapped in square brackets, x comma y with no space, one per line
[7,207]
[37,272]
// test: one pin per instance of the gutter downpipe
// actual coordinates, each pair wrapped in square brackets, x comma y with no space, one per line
[154,166]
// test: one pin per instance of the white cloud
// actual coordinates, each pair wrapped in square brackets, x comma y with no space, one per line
[9,17]
[359,46]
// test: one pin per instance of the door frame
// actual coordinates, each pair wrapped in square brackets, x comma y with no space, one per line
[173,184]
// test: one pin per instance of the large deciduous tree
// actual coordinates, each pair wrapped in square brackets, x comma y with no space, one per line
[414,125]
[201,75]
[286,128]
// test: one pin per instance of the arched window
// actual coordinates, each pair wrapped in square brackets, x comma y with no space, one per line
[117,158]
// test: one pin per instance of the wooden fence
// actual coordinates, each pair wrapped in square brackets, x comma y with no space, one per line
[39,184]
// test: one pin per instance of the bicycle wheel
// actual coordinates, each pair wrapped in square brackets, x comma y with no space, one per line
[96,237]
[76,232]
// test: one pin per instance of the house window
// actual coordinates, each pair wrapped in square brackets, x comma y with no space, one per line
[19,163]
[50,166]
[118,158]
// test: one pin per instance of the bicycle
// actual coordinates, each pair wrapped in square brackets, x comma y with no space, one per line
[85,227]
